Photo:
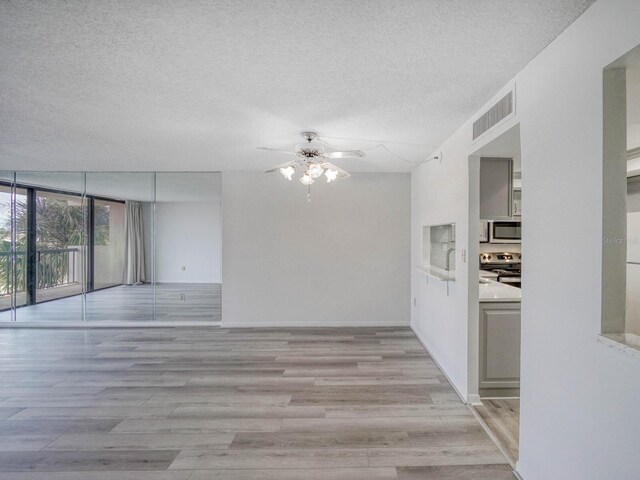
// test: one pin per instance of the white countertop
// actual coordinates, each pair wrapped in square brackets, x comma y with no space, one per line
[491,291]
[438,273]
[488,274]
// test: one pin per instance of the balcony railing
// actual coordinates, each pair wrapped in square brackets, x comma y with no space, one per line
[55,267]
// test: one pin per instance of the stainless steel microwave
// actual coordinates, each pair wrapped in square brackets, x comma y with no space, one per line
[505,232]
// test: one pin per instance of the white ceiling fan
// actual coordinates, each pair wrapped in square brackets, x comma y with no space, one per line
[312,161]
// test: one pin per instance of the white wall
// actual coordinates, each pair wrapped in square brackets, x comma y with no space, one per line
[188,234]
[188,227]
[439,318]
[591,402]
[579,406]
[342,259]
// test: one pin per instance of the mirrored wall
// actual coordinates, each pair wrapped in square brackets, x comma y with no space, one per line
[110,247]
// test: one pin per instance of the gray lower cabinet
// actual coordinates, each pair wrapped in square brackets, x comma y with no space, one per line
[499,345]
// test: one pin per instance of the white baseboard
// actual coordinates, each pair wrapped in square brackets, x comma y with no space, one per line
[435,360]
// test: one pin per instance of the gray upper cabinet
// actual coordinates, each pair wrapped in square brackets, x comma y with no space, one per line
[496,188]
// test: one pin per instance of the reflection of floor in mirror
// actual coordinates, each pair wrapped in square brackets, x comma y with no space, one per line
[174,302]
[43,295]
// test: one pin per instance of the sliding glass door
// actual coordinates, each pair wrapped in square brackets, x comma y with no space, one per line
[12,275]
[6,260]
[59,245]
[108,237]
[51,237]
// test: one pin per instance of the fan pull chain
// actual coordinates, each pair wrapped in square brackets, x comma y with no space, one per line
[309,193]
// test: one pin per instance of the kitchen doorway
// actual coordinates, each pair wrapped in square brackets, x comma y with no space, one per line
[495,282]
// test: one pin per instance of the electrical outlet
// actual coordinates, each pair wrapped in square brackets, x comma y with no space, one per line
[182,297]
[184,268]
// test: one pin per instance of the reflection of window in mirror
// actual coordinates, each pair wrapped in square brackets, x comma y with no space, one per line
[12,276]
[621,200]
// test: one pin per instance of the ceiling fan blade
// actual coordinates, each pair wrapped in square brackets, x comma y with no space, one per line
[326,144]
[341,172]
[276,150]
[283,165]
[345,154]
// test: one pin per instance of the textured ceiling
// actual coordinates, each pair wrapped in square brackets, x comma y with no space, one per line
[197,85]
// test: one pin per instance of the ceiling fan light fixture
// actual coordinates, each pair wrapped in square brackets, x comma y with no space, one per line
[306,179]
[315,170]
[331,175]
[309,151]
[287,172]
[312,161]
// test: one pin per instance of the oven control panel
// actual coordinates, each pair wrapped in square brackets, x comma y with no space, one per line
[501,258]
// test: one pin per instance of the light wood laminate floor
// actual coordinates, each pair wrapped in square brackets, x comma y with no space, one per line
[502,417]
[247,404]
[175,302]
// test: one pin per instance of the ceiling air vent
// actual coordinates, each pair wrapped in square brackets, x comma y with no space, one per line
[496,113]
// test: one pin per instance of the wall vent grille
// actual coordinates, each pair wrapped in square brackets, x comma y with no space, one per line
[495,114]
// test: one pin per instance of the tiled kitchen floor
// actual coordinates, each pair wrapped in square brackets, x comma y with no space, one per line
[502,417]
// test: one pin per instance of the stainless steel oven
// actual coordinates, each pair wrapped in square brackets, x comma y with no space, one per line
[505,231]
[505,267]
